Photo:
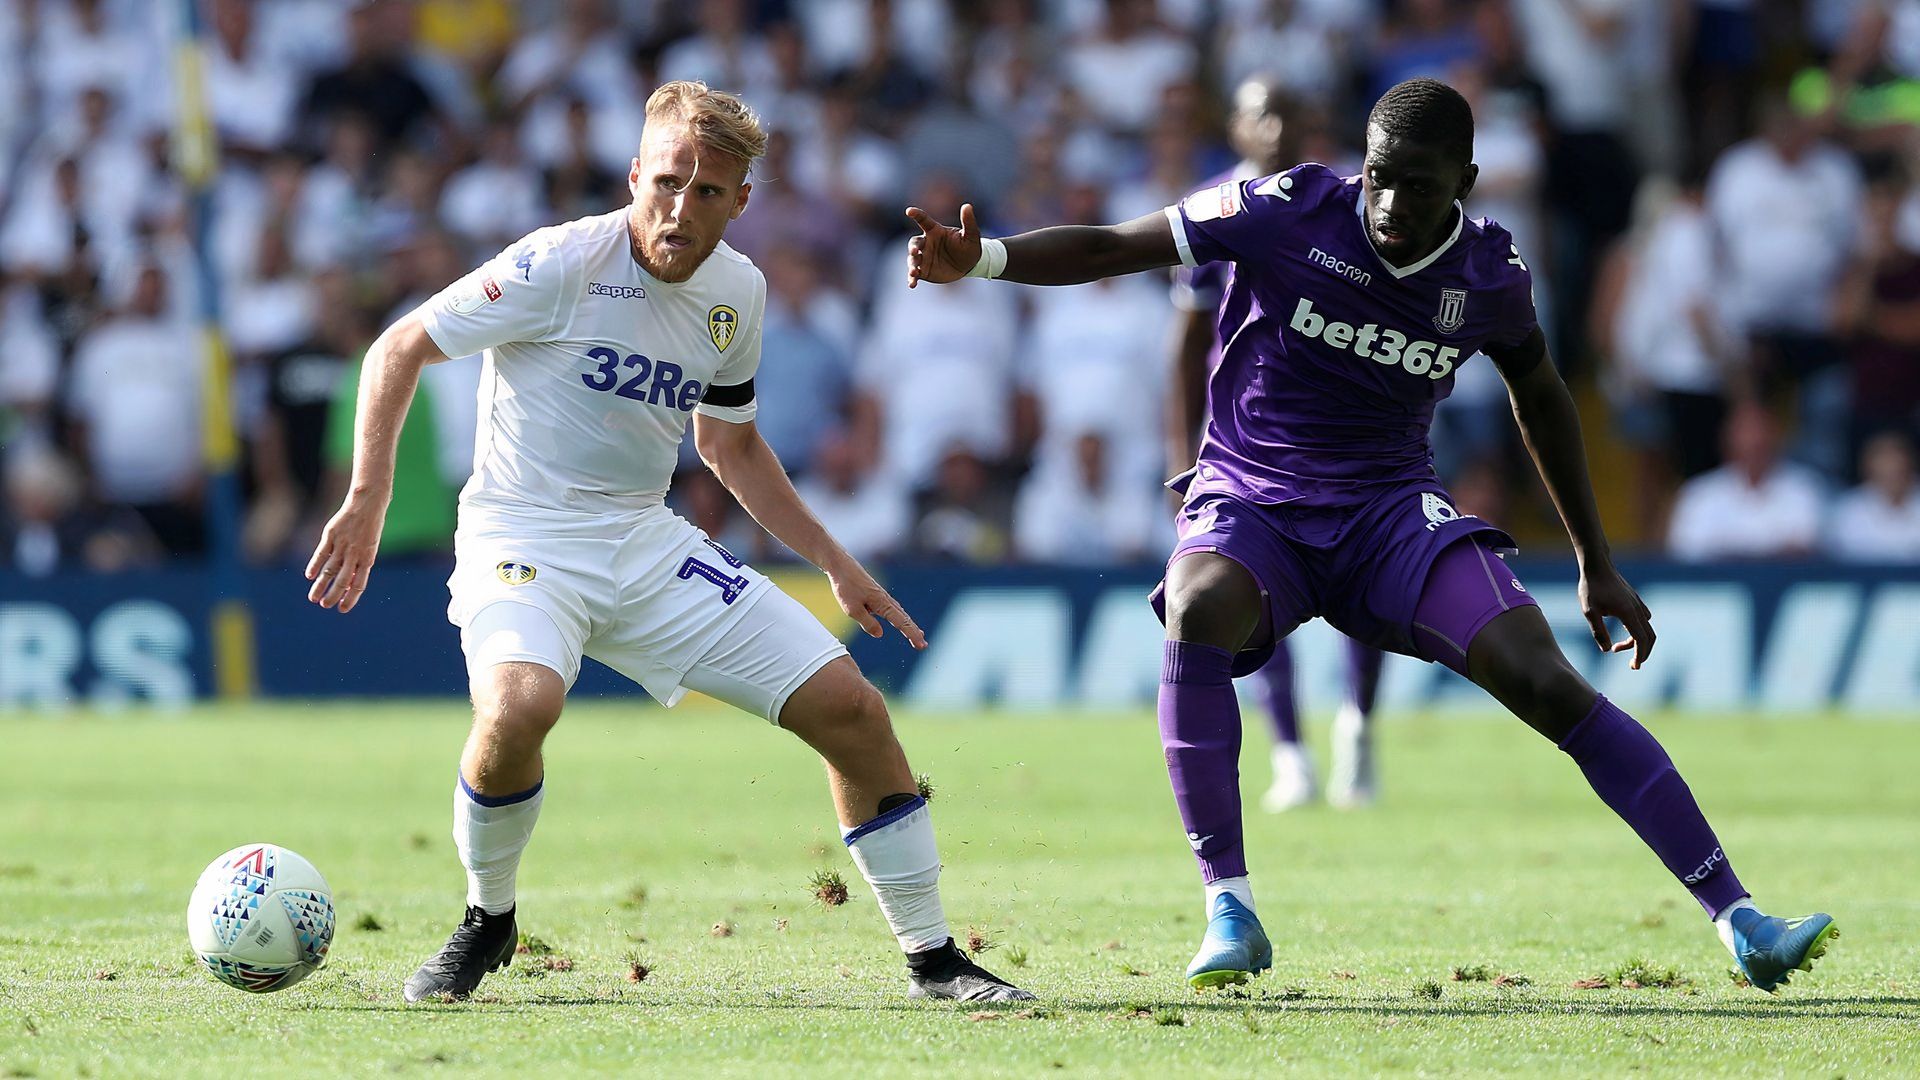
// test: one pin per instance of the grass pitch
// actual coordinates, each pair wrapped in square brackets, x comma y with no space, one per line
[1490,915]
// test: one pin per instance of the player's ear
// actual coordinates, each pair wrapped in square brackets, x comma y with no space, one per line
[740,200]
[1467,176]
[633,178]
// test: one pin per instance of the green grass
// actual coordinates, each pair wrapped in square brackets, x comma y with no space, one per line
[1488,856]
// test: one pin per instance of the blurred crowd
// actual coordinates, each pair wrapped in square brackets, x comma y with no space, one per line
[1718,199]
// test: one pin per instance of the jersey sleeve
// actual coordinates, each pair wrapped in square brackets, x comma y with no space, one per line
[518,295]
[1520,319]
[729,396]
[1239,218]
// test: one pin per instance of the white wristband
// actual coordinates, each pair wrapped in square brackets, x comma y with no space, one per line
[993,259]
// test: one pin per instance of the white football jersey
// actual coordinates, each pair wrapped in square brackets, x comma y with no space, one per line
[593,367]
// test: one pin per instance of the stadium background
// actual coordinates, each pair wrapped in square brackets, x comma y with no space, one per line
[1717,199]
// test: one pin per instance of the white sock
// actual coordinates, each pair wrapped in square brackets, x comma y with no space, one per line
[896,854]
[490,836]
[1239,887]
[1723,922]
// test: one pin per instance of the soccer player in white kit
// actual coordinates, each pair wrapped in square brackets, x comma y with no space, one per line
[602,337]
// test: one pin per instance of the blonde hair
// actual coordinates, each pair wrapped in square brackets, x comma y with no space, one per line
[720,121]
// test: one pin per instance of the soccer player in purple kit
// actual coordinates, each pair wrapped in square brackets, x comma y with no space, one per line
[1256,128]
[1353,301]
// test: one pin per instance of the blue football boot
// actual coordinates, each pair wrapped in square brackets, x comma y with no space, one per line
[1769,948]
[1234,950]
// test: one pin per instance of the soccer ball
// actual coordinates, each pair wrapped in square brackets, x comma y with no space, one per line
[261,918]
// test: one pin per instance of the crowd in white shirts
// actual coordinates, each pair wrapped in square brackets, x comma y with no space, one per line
[1744,290]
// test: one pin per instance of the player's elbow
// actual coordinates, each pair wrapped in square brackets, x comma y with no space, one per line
[407,342]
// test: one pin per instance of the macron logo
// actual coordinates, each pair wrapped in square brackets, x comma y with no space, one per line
[1371,341]
[1340,266]
[618,292]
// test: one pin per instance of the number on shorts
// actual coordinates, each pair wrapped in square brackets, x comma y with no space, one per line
[725,555]
[730,587]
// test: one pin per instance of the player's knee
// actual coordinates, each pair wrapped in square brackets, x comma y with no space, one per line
[857,716]
[1213,601]
[1540,686]
[837,705]
[867,712]
[515,704]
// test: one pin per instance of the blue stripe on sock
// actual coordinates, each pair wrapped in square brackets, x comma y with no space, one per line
[499,800]
[885,819]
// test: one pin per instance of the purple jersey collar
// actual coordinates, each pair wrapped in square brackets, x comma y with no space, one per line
[1360,212]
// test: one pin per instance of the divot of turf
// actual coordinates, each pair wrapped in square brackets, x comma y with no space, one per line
[829,889]
[637,969]
[980,940]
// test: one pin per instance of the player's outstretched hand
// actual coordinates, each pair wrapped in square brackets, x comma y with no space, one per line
[343,560]
[867,603]
[941,254]
[1604,592]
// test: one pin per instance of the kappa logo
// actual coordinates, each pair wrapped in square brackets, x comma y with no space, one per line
[618,292]
[1453,307]
[1438,510]
[515,573]
[523,262]
[722,321]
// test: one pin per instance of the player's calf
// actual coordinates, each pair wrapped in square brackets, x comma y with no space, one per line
[496,803]
[887,828]
[1632,773]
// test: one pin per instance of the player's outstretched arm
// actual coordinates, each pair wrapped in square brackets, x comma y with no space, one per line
[748,467]
[343,560]
[1060,255]
[1550,424]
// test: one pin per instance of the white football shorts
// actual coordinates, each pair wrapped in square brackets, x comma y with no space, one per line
[649,595]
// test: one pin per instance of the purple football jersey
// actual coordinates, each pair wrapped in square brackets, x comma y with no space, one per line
[1332,360]
[1203,287]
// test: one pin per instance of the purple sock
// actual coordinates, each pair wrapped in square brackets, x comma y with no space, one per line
[1200,733]
[1363,674]
[1634,776]
[1274,685]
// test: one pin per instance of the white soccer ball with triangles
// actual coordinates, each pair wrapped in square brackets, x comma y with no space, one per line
[261,918]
